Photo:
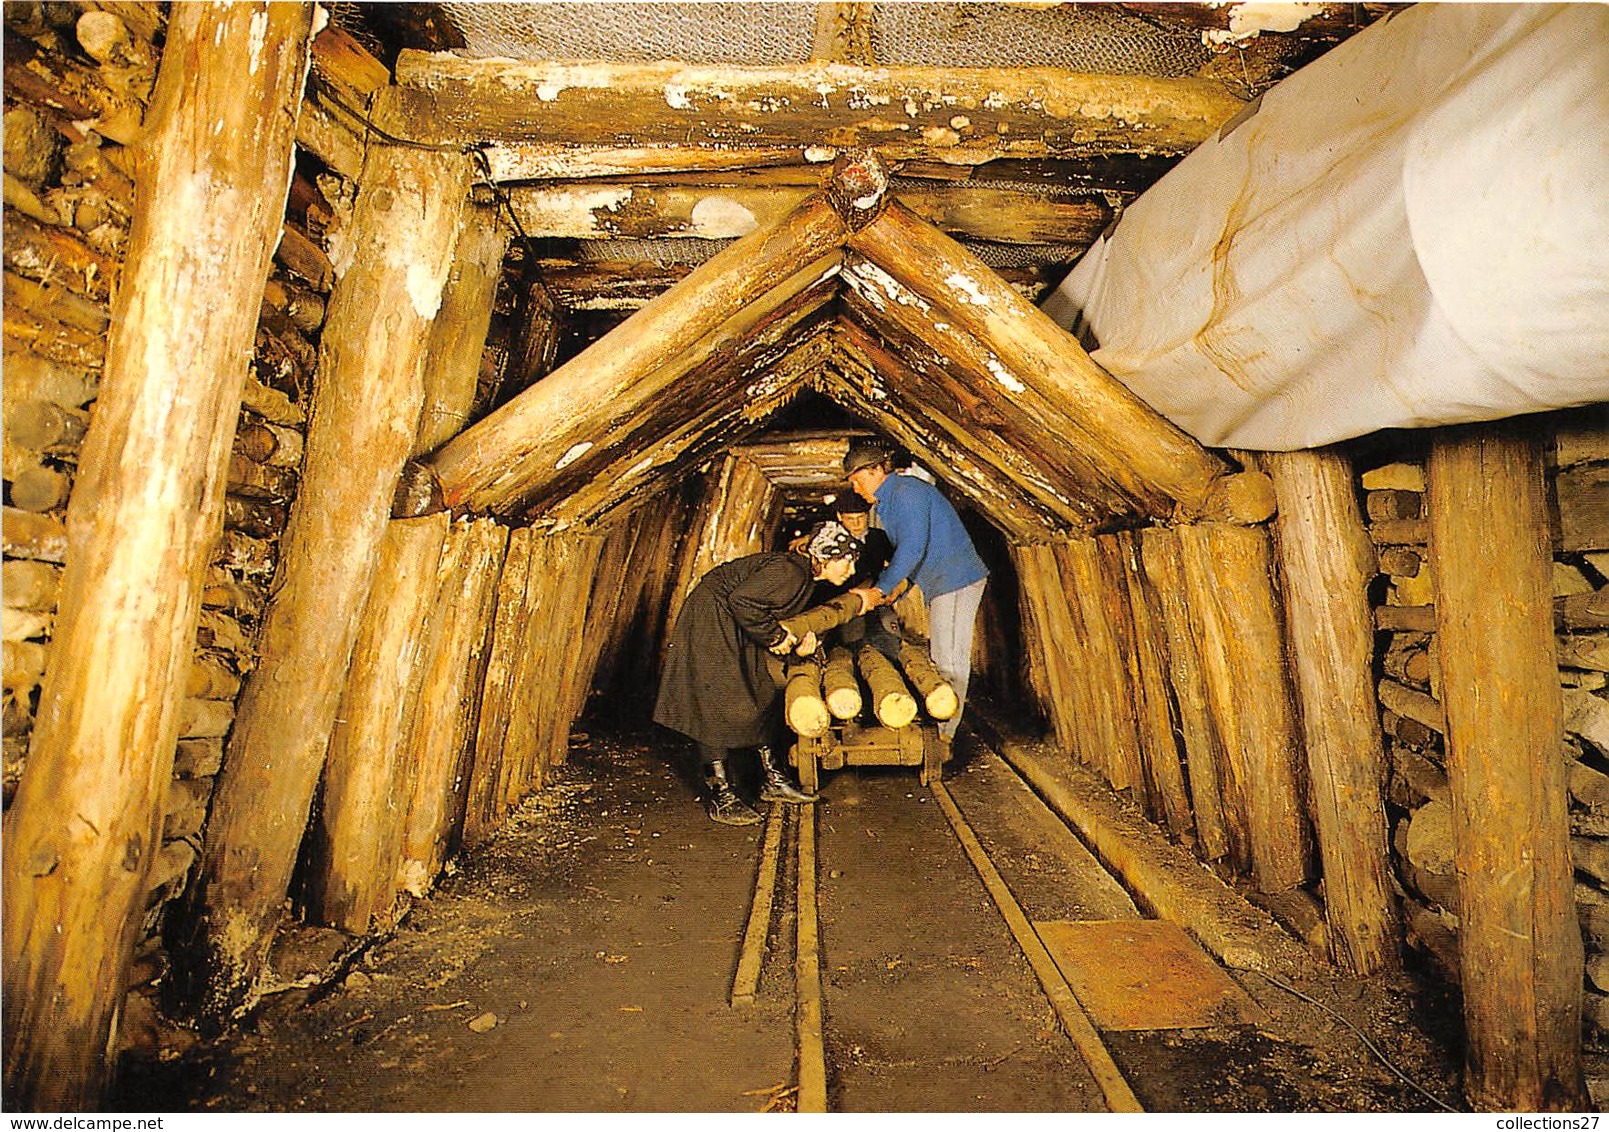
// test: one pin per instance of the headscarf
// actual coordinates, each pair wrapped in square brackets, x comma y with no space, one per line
[831,540]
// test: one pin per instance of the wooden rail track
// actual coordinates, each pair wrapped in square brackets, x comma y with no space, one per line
[809,1013]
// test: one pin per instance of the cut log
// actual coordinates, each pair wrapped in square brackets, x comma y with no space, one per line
[803,705]
[593,211]
[937,696]
[1583,496]
[24,667]
[485,807]
[226,593]
[1383,506]
[29,377]
[1326,564]
[43,426]
[824,618]
[305,308]
[31,585]
[82,834]
[49,254]
[556,589]
[404,223]
[555,422]
[271,404]
[260,481]
[205,719]
[1405,618]
[1521,946]
[1410,704]
[841,687]
[216,630]
[1584,650]
[34,535]
[1229,579]
[453,364]
[271,444]
[211,679]
[250,558]
[303,258]
[253,516]
[40,489]
[1400,532]
[438,747]
[1056,640]
[892,701]
[356,842]
[198,758]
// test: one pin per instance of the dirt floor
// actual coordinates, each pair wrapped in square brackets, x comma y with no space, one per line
[581,962]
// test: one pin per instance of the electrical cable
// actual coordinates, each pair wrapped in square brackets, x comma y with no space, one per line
[1367,1041]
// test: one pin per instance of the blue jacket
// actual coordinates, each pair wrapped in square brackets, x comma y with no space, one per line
[931,547]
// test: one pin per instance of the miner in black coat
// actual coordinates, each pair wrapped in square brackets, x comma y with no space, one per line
[718,688]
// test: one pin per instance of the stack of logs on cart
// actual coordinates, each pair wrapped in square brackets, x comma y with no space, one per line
[1410,695]
[828,686]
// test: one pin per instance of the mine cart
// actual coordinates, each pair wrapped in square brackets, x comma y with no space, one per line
[854,707]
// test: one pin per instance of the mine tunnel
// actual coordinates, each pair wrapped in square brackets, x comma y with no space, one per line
[381,380]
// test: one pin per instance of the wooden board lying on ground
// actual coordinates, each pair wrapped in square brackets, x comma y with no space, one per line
[1145,975]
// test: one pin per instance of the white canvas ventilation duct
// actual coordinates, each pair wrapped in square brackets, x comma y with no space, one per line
[1411,231]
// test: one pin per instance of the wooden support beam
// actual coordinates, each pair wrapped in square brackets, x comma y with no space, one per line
[438,747]
[596,210]
[558,421]
[458,335]
[1326,565]
[907,111]
[1159,745]
[484,807]
[1116,742]
[1518,937]
[369,391]
[85,827]
[1229,580]
[556,589]
[1204,755]
[1151,460]
[356,841]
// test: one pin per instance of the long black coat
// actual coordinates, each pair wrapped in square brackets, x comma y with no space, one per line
[717,687]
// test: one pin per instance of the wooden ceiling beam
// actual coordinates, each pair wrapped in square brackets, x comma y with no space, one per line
[593,211]
[442,99]
[559,419]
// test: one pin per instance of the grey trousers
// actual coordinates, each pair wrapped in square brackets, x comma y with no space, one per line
[950,620]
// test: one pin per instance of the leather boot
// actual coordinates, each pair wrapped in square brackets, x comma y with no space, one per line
[776,787]
[724,805]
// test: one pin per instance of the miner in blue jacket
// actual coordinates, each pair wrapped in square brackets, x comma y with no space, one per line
[932,550]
